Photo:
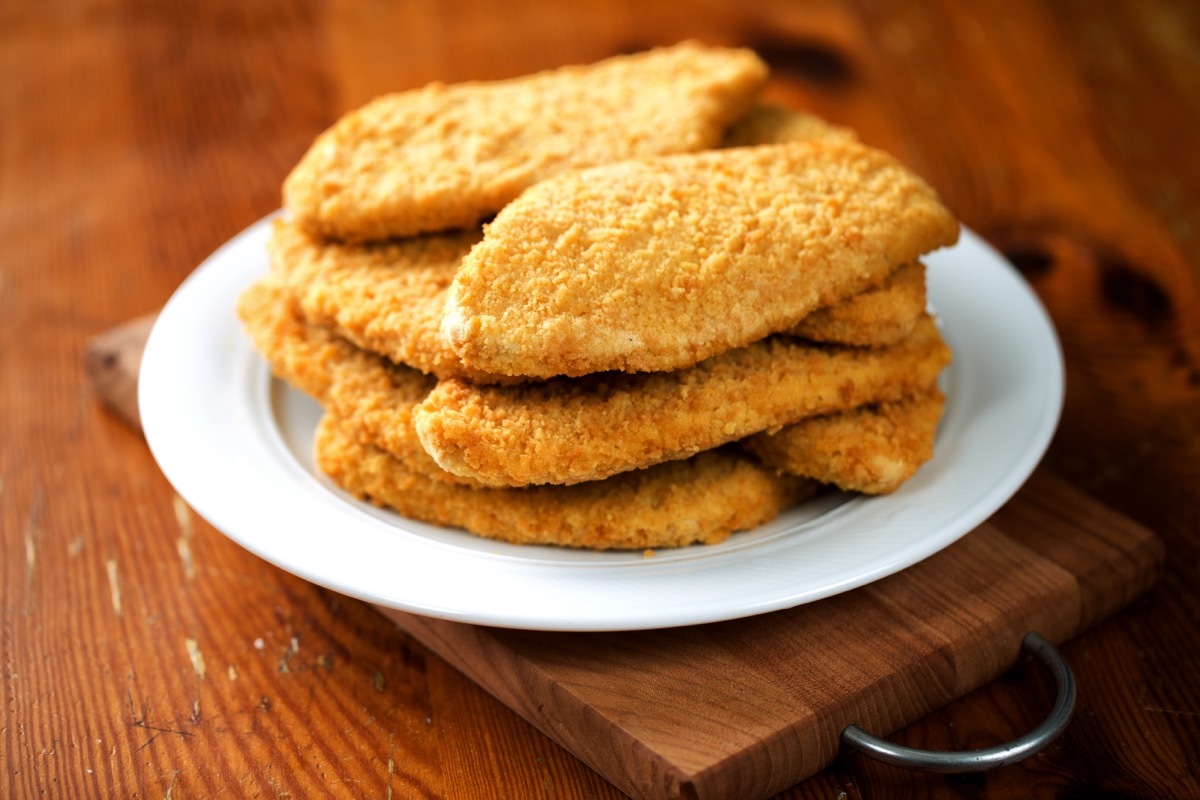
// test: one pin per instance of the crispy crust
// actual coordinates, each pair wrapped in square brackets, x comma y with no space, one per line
[873,449]
[446,157]
[272,319]
[873,318]
[385,297]
[374,398]
[572,430]
[677,267]
[878,316]
[772,124]
[658,264]
[700,500]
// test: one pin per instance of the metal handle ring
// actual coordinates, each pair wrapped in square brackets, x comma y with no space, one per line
[998,756]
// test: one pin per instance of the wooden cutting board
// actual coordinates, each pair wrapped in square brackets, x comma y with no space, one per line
[749,707]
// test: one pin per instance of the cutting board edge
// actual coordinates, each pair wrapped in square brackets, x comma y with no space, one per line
[605,745]
[667,780]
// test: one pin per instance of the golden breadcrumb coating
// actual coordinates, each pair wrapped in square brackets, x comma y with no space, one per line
[700,500]
[875,317]
[658,264]
[873,449]
[374,397]
[272,320]
[652,274]
[449,156]
[571,430]
[772,124]
[386,297]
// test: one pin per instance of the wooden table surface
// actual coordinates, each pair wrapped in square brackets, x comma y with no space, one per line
[145,655]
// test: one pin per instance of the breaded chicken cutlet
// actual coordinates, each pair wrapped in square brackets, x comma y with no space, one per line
[368,446]
[687,311]
[572,430]
[875,317]
[773,124]
[872,449]
[657,264]
[697,501]
[372,396]
[387,297]
[560,432]
[449,156]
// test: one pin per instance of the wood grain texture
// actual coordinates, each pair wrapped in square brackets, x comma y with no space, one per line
[747,708]
[141,653]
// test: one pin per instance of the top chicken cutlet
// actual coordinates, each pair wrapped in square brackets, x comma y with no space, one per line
[448,156]
[658,264]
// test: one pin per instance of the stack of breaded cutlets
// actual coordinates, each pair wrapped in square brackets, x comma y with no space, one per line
[621,305]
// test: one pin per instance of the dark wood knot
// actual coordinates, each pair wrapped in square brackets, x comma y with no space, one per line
[1133,291]
[810,60]
[1030,261]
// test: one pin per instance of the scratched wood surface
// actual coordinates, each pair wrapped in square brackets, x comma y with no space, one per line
[748,707]
[146,655]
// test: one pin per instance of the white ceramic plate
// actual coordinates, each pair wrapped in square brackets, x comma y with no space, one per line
[235,444]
